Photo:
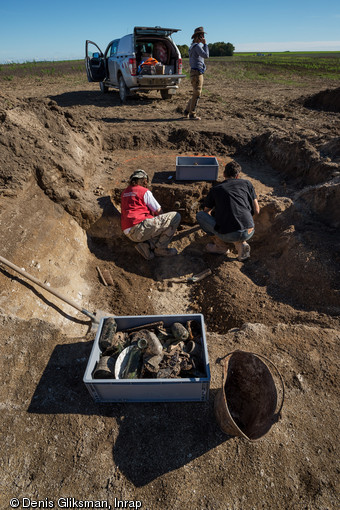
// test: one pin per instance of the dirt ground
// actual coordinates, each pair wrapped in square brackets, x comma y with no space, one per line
[66,151]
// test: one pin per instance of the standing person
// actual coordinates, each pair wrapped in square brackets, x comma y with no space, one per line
[198,51]
[234,202]
[143,220]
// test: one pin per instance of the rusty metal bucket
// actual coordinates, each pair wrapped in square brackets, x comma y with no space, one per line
[247,404]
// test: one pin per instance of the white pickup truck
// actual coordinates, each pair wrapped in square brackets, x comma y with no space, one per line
[120,65]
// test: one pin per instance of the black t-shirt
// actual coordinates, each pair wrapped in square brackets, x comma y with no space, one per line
[233,203]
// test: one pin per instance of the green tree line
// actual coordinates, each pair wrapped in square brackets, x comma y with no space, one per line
[217,49]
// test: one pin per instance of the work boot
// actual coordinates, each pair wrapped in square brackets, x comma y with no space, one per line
[214,248]
[194,117]
[186,114]
[145,250]
[165,252]
[217,246]
[218,241]
[245,252]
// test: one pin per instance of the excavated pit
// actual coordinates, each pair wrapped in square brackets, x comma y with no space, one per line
[288,259]
[83,168]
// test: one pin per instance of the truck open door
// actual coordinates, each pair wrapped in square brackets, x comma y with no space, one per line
[94,62]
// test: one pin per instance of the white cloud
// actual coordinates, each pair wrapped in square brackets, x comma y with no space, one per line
[290,46]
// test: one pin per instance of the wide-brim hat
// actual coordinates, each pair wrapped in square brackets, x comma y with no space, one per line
[199,30]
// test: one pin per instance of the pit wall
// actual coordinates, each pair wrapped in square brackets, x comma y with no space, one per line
[296,158]
[186,199]
[296,255]
[39,236]
[324,200]
[313,170]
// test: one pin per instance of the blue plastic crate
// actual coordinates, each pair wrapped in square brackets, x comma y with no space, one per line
[148,390]
[196,168]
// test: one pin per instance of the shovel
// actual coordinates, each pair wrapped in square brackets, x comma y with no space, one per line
[93,318]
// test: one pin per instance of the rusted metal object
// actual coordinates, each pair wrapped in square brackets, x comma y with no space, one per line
[153,344]
[108,333]
[194,348]
[119,342]
[151,325]
[162,334]
[194,329]
[179,331]
[104,368]
[152,351]
[152,363]
[176,346]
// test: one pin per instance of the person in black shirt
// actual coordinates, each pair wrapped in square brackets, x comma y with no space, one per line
[228,213]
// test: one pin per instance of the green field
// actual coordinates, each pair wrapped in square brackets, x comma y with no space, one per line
[285,67]
[288,67]
[280,67]
[40,70]
[322,64]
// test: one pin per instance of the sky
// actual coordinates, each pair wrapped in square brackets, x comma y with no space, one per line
[44,30]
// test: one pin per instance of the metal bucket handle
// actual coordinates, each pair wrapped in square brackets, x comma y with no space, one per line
[271,363]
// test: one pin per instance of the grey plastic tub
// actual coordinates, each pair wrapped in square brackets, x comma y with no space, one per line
[196,168]
[148,390]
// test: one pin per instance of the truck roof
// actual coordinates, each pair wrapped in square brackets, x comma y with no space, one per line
[155,31]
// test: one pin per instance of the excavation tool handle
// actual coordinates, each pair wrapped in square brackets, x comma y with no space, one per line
[200,276]
[46,287]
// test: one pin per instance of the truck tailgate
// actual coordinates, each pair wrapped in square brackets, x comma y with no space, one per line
[158,78]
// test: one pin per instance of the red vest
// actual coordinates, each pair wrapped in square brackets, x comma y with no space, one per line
[134,210]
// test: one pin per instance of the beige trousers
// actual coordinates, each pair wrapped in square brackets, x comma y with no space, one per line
[159,230]
[197,84]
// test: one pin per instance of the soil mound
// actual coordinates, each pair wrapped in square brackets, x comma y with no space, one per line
[327,100]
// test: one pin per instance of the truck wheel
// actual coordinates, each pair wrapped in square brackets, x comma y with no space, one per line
[104,88]
[123,90]
[165,94]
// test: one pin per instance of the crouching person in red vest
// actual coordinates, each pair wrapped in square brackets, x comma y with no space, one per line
[143,220]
